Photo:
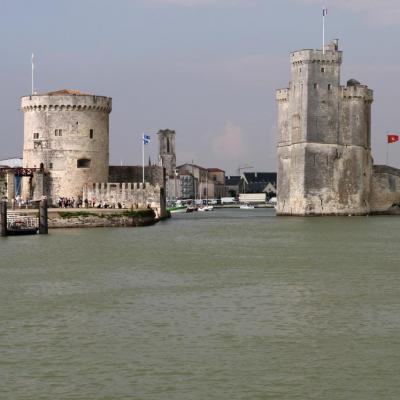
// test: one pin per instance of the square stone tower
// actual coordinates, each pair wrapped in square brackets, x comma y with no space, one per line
[166,153]
[324,155]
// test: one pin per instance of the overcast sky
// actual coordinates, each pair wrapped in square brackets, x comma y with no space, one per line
[206,68]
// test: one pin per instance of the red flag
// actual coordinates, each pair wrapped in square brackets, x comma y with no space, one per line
[392,138]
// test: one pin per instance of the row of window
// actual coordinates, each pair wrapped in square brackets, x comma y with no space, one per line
[316,86]
[322,70]
[58,132]
[81,163]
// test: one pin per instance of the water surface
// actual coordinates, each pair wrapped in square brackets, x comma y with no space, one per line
[233,304]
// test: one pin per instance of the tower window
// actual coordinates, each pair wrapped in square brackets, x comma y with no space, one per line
[36,135]
[322,70]
[315,85]
[329,86]
[91,133]
[83,163]
[168,147]
[58,132]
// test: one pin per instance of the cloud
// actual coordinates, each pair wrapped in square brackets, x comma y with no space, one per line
[230,143]
[189,3]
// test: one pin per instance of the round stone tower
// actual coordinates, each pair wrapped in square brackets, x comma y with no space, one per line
[66,134]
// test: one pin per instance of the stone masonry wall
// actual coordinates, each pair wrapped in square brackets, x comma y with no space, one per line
[153,174]
[129,195]
[385,190]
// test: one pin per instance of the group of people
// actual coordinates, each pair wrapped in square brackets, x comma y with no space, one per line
[66,202]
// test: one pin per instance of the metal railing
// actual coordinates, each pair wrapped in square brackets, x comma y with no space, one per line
[20,221]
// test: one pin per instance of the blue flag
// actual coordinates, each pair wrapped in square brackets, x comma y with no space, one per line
[146,139]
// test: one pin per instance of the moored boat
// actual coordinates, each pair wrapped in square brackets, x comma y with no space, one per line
[246,206]
[206,208]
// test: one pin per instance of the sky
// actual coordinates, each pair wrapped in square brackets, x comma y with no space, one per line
[206,68]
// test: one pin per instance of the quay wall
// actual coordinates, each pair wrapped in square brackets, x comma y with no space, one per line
[93,218]
[127,195]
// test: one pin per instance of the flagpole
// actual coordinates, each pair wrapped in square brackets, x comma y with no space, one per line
[143,158]
[32,74]
[387,148]
[323,30]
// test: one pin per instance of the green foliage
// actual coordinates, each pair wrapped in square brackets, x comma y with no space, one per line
[139,213]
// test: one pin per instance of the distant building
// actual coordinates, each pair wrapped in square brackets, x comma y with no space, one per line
[232,185]
[217,177]
[8,180]
[194,180]
[200,183]
[259,182]
[188,185]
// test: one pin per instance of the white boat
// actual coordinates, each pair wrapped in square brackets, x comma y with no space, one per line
[177,208]
[246,206]
[206,208]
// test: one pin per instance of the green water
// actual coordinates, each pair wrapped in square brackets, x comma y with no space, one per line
[232,304]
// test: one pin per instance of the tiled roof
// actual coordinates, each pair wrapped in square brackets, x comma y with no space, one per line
[260,177]
[232,180]
[63,92]
[215,170]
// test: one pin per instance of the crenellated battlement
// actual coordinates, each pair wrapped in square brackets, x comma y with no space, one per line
[359,91]
[331,56]
[66,102]
[127,195]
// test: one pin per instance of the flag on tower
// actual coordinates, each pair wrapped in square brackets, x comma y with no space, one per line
[146,139]
[324,12]
[392,138]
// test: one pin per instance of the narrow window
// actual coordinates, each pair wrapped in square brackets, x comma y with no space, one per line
[51,165]
[36,135]
[322,70]
[60,132]
[315,85]
[55,132]
[168,145]
[91,133]
[329,86]
[83,163]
